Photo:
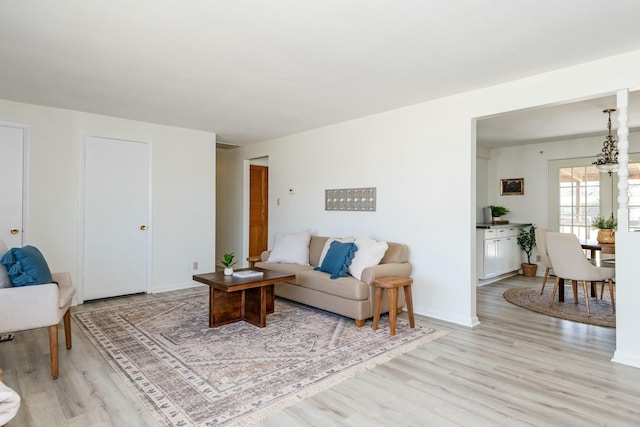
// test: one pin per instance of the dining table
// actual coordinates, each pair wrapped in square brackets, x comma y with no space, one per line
[593,246]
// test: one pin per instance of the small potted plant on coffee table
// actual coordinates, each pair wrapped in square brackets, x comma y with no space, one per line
[228,263]
[527,241]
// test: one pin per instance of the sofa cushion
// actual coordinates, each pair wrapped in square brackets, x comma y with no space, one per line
[26,266]
[5,281]
[397,252]
[291,248]
[337,259]
[327,244]
[316,246]
[370,253]
[284,268]
[345,287]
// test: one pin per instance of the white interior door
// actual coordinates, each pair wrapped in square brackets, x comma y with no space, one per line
[116,217]
[11,187]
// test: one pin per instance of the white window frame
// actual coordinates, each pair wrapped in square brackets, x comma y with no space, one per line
[608,187]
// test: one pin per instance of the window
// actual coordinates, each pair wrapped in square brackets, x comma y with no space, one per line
[579,199]
[578,192]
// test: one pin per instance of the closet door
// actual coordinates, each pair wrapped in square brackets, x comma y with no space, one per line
[116,217]
[11,188]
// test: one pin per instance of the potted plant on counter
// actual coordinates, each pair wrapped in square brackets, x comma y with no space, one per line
[606,228]
[527,241]
[228,263]
[497,212]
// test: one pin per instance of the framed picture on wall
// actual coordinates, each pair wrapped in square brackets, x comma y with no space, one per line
[512,187]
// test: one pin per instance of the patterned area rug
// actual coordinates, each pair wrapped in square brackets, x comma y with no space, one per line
[601,312]
[236,374]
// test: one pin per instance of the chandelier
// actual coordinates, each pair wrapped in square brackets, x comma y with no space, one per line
[608,158]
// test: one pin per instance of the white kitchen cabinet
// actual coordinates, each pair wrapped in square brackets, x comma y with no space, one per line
[497,251]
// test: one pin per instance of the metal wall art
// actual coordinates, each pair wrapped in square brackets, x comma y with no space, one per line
[350,199]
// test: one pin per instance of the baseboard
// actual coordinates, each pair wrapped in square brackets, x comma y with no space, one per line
[623,359]
[175,287]
[482,282]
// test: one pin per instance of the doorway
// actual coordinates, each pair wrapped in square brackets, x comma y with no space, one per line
[116,214]
[258,206]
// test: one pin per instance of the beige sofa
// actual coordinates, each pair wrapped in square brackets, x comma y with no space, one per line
[346,296]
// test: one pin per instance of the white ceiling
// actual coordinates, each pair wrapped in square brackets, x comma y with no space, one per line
[252,70]
[548,123]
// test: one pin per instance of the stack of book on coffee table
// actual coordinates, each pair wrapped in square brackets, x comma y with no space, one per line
[245,274]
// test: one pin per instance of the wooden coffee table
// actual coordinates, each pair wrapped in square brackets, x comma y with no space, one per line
[249,299]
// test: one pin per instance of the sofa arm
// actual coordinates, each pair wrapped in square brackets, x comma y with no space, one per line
[370,274]
[28,307]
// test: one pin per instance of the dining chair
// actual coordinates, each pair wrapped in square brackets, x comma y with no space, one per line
[569,262]
[541,243]
[608,262]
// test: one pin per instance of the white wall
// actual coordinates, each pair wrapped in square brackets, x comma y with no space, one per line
[627,298]
[389,152]
[422,159]
[183,205]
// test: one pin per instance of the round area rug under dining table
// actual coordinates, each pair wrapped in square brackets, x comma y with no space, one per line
[601,311]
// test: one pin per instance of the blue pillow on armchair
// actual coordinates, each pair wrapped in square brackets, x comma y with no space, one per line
[26,266]
[338,258]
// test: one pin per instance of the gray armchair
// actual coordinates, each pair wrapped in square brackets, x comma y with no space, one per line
[30,307]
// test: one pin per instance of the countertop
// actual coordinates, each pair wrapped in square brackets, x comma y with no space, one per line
[484,225]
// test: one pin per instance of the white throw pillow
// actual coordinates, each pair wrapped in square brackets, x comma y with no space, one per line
[325,249]
[291,248]
[369,253]
[5,282]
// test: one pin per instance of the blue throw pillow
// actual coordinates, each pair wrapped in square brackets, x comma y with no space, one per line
[338,259]
[26,266]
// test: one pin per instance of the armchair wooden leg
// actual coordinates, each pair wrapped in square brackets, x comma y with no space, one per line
[67,328]
[53,349]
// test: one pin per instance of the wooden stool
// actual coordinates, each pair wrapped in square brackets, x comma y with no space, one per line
[253,259]
[392,283]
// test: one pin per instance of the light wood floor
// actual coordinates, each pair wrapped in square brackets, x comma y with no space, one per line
[517,368]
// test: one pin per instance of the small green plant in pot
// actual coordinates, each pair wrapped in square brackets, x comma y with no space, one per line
[497,212]
[228,263]
[606,228]
[527,241]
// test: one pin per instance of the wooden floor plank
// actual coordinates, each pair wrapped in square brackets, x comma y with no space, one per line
[518,368]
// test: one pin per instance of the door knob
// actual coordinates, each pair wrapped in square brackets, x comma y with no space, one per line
[14,231]
[143,227]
